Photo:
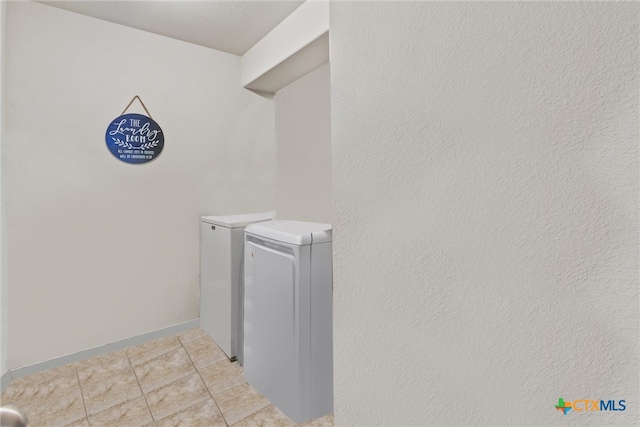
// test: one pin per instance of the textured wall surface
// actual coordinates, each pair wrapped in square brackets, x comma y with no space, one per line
[100,250]
[485,165]
[303,130]
[3,283]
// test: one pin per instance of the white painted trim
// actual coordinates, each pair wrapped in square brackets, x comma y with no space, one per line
[305,25]
[309,58]
[97,351]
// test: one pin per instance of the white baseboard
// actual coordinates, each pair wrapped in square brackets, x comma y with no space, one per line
[96,351]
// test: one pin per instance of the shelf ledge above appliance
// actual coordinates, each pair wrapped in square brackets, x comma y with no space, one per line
[299,45]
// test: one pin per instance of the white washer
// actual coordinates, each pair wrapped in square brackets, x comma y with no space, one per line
[288,341]
[221,240]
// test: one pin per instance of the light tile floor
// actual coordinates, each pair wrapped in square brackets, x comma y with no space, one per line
[183,380]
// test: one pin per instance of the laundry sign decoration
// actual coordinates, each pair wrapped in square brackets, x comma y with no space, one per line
[134,138]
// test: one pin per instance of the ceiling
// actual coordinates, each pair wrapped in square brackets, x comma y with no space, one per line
[230,26]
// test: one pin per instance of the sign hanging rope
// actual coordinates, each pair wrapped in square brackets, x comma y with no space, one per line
[141,103]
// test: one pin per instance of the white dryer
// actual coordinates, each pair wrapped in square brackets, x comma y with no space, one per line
[221,251]
[288,341]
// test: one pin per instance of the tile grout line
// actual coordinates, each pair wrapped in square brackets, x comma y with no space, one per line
[178,348]
[154,357]
[188,407]
[141,391]
[86,412]
[176,379]
[115,404]
[268,404]
[202,335]
[256,412]
[203,382]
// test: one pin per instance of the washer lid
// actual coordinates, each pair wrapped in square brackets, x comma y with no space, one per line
[238,221]
[294,232]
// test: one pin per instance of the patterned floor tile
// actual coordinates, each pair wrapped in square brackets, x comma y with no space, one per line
[266,417]
[164,369]
[222,376]
[48,398]
[107,381]
[239,402]
[192,334]
[326,421]
[176,393]
[177,396]
[29,387]
[80,423]
[130,413]
[57,406]
[204,351]
[205,413]
[152,349]
[114,360]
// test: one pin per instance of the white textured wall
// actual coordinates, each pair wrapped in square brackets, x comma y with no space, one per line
[485,162]
[3,288]
[100,250]
[303,130]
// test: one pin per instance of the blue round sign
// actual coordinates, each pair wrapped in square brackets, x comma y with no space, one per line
[134,138]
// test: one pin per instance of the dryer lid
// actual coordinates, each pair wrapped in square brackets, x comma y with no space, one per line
[238,221]
[294,232]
